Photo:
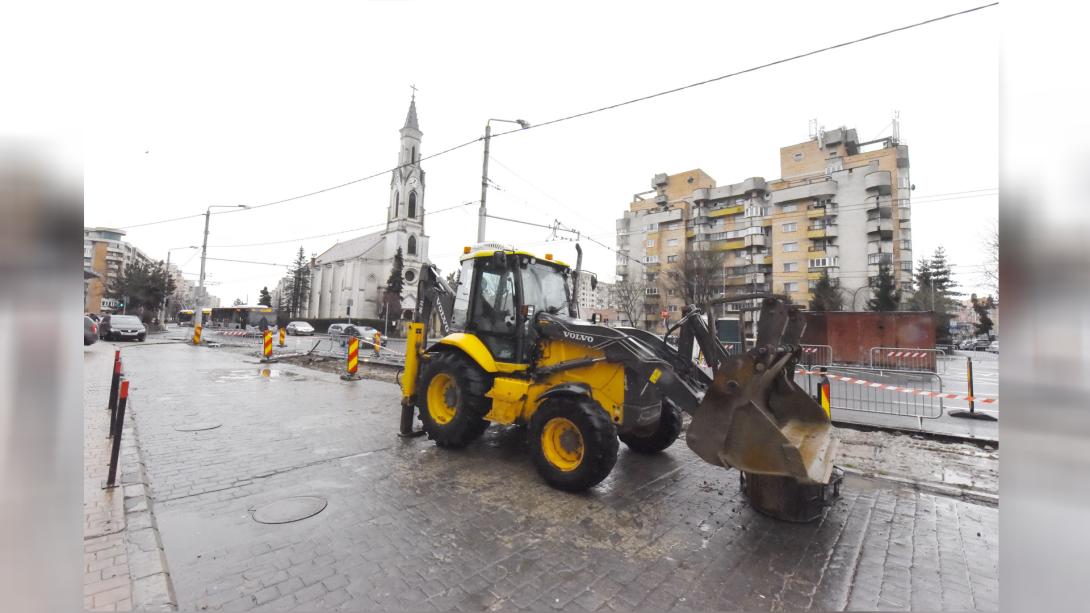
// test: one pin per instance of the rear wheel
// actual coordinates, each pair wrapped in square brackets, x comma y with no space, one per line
[660,436]
[573,442]
[452,402]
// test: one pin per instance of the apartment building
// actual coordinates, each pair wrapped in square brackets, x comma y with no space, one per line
[593,300]
[840,206]
[105,253]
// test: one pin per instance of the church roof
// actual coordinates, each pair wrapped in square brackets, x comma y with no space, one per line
[410,119]
[350,249]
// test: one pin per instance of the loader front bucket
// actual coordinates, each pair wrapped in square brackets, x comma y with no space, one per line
[756,419]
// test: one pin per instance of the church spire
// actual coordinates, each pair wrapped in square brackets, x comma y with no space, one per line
[410,119]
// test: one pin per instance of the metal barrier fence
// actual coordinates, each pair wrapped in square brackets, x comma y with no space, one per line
[885,391]
[907,358]
[813,355]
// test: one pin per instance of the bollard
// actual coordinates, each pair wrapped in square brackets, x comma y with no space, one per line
[377,342]
[115,384]
[266,346]
[197,334]
[283,333]
[352,362]
[969,375]
[118,426]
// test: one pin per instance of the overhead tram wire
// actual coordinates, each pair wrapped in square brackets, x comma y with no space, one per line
[359,229]
[591,112]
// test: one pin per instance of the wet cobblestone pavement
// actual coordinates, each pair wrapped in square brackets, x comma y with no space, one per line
[411,526]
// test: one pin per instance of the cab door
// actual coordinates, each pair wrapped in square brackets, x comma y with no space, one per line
[493,312]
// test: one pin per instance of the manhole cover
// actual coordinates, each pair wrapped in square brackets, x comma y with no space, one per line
[197,427]
[289,509]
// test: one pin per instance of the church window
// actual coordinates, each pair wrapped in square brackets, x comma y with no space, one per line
[413,158]
[397,204]
[412,205]
[412,239]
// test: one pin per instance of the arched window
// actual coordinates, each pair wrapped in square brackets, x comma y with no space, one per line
[397,204]
[412,241]
[412,205]
[413,158]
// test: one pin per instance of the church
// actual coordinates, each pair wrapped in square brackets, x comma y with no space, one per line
[348,279]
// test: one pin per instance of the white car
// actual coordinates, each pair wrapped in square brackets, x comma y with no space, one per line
[300,328]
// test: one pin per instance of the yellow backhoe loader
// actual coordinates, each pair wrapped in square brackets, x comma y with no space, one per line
[509,349]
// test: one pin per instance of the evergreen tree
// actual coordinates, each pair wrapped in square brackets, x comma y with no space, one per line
[266,297]
[886,295]
[390,309]
[945,296]
[826,295]
[238,302]
[984,323]
[298,289]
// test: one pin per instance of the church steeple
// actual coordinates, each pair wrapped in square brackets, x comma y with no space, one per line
[406,209]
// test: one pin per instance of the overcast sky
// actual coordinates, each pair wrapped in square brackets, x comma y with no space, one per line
[246,103]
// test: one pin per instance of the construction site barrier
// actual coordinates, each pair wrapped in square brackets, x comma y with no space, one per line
[816,354]
[283,334]
[907,358]
[266,345]
[352,359]
[904,393]
[197,334]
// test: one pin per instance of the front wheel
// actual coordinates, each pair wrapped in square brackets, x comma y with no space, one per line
[573,442]
[660,436]
[452,401]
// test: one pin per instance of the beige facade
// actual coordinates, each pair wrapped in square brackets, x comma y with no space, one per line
[105,253]
[837,208]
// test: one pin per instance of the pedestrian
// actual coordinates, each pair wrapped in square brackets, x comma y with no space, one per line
[377,340]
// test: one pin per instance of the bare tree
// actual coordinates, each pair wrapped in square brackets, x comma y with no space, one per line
[698,277]
[991,256]
[629,296]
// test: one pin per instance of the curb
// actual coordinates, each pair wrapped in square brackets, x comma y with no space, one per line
[152,587]
[970,494]
[975,440]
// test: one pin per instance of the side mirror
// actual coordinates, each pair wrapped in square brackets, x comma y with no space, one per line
[527,311]
[593,281]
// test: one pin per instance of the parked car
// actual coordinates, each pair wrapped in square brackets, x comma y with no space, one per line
[981,344]
[336,331]
[966,344]
[366,334]
[300,328]
[121,327]
[90,331]
[993,347]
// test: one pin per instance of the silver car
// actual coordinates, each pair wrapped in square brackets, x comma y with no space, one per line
[300,328]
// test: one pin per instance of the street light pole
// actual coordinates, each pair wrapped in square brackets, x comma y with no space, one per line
[199,314]
[483,211]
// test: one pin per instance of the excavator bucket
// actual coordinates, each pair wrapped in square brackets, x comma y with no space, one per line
[756,419]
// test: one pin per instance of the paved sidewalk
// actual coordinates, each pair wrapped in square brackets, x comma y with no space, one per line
[124,568]
[410,526]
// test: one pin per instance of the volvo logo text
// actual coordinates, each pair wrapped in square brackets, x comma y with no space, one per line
[583,338]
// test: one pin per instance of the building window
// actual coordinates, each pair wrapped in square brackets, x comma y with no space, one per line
[671,259]
[811,284]
[651,227]
[906,245]
[790,266]
[673,308]
[792,286]
[790,208]
[790,227]
[652,291]
[789,247]
[397,204]
[413,158]
[672,242]
[879,258]
[651,259]
[412,245]
[412,205]
[650,242]
[906,266]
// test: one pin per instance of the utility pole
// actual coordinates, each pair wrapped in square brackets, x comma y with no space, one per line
[199,314]
[483,212]
[484,184]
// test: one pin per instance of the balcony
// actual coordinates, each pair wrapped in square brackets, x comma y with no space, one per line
[880,226]
[904,213]
[757,240]
[879,181]
[728,245]
[661,200]
[816,231]
[727,210]
[818,212]
[754,184]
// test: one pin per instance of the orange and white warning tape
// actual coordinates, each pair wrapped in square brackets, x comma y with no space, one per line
[898,388]
[810,349]
[907,354]
[231,332]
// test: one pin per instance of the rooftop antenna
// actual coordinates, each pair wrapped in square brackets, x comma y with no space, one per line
[896,126]
[813,128]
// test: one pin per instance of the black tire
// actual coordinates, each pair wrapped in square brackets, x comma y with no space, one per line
[465,394]
[597,434]
[663,435]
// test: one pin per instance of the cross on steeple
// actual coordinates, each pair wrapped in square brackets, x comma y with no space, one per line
[413,86]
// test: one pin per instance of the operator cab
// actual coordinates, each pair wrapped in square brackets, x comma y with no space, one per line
[500,290]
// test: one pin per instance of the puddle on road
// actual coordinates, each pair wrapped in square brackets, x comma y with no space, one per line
[262,372]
